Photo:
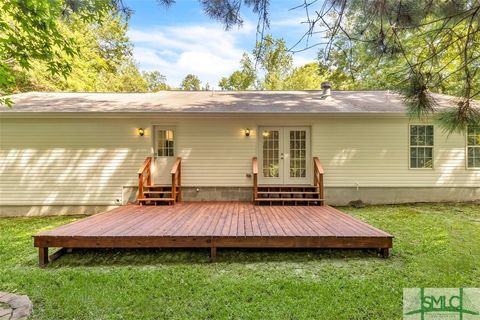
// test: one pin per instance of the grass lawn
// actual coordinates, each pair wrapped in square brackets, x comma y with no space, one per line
[436,245]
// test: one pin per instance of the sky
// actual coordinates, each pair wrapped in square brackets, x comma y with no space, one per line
[180,40]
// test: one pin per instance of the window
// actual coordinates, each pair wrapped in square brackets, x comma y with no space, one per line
[165,143]
[421,146]
[473,147]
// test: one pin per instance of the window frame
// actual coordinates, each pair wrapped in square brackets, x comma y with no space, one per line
[467,167]
[429,146]
[155,130]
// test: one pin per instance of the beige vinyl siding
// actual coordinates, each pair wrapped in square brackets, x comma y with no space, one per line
[375,153]
[82,161]
[215,152]
[68,161]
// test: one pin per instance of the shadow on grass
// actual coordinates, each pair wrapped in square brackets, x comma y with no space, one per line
[151,257]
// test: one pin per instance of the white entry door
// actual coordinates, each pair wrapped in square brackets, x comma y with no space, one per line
[164,154]
[284,155]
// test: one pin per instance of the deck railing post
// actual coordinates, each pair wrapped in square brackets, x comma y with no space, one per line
[177,180]
[149,175]
[255,177]
[174,188]
[140,186]
[322,196]
[180,181]
[144,173]
[318,179]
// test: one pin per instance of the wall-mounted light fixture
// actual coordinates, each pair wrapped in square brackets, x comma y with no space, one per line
[247,132]
[141,132]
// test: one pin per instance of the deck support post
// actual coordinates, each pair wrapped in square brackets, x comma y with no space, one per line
[42,257]
[385,252]
[213,254]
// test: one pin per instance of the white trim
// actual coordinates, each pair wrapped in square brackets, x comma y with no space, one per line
[155,141]
[284,164]
[430,146]
[466,153]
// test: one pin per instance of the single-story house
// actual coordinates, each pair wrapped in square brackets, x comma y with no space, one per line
[80,152]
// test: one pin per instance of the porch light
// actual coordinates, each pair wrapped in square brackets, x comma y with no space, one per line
[247,132]
[141,132]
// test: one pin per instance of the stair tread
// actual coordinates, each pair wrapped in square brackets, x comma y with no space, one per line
[157,192]
[287,192]
[156,199]
[288,199]
[159,186]
[285,186]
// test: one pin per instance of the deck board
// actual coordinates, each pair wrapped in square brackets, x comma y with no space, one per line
[217,224]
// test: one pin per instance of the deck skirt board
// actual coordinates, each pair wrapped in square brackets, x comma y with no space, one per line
[217,225]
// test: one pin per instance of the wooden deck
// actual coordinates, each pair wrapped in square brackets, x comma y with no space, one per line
[215,225]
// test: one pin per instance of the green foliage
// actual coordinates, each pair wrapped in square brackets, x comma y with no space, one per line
[155,81]
[274,60]
[306,77]
[191,83]
[415,48]
[435,245]
[242,79]
[458,119]
[275,71]
[102,62]
[33,32]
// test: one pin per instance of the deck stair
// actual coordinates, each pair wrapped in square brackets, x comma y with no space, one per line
[152,194]
[157,195]
[304,195]
[290,195]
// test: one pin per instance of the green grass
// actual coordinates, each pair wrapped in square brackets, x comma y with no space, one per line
[435,245]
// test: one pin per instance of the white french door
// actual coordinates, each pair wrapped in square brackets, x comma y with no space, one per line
[284,155]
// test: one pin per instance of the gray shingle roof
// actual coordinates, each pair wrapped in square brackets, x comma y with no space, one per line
[216,102]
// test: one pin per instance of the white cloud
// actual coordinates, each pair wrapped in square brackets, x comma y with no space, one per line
[299,60]
[205,50]
[299,21]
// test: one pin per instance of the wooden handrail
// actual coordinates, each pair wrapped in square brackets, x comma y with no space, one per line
[318,178]
[146,163]
[318,165]
[255,177]
[144,176]
[176,173]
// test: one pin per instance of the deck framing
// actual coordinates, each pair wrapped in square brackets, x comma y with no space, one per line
[215,225]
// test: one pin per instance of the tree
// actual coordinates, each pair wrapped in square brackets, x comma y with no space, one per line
[31,31]
[191,83]
[274,60]
[104,61]
[306,77]
[242,79]
[445,31]
[416,52]
[155,81]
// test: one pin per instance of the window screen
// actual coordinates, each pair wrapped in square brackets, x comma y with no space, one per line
[473,147]
[421,146]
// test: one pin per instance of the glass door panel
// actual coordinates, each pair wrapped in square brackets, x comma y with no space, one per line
[297,155]
[271,149]
[284,155]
